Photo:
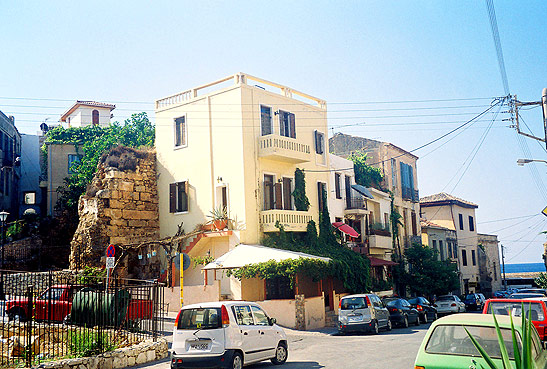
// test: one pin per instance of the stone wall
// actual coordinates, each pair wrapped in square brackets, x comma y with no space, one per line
[120,208]
[142,353]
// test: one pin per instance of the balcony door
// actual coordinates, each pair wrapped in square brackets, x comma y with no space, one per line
[269,199]
[348,191]
[287,193]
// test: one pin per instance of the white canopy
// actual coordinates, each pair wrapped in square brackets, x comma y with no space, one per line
[251,254]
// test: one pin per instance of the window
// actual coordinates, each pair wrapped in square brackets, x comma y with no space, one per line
[180,131]
[464,258]
[441,249]
[460,218]
[393,173]
[260,316]
[319,142]
[471,224]
[407,181]
[287,193]
[321,195]
[243,315]
[473,257]
[449,249]
[348,191]
[286,124]
[337,188]
[199,318]
[455,250]
[386,221]
[414,224]
[73,162]
[266,120]
[178,197]
[95,117]
[29,198]
[279,288]
[434,246]
[268,192]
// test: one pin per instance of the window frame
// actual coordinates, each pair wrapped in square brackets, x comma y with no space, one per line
[319,141]
[323,186]
[70,163]
[473,257]
[460,218]
[95,117]
[337,185]
[290,130]
[271,120]
[25,197]
[471,224]
[173,197]
[183,131]
[272,199]
[464,257]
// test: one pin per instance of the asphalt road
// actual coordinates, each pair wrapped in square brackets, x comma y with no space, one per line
[325,349]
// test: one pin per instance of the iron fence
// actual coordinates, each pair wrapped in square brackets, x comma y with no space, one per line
[53,315]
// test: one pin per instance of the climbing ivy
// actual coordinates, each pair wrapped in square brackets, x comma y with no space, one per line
[301,201]
[366,175]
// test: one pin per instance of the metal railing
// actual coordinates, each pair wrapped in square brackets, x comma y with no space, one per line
[53,315]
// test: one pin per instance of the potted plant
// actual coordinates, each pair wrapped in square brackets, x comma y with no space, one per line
[219,217]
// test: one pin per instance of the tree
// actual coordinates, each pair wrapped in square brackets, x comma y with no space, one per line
[427,275]
[94,141]
[366,175]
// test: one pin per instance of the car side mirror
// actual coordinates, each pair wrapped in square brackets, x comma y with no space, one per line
[272,321]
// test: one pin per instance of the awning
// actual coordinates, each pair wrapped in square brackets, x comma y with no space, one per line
[381,262]
[362,190]
[242,255]
[343,227]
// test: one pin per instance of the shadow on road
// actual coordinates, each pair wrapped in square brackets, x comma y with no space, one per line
[290,364]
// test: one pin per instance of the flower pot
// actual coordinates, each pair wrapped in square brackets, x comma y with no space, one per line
[207,227]
[220,224]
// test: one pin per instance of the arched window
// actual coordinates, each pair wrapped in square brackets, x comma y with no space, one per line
[95,117]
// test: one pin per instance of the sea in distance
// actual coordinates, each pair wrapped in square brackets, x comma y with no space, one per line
[524,268]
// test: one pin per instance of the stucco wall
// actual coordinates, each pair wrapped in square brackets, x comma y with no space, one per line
[196,294]
[314,312]
[252,289]
[284,311]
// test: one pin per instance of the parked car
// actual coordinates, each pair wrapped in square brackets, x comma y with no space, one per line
[446,345]
[533,290]
[501,294]
[56,304]
[401,312]
[362,313]
[474,301]
[538,311]
[226,334]
[525,295]
[447,304]
[426,309]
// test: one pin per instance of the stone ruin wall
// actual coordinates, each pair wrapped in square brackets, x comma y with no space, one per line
[122,211]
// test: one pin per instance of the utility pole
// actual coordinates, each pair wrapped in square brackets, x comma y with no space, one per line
[503,267]
[514,106]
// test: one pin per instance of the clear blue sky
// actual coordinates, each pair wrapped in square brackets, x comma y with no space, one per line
[375,53]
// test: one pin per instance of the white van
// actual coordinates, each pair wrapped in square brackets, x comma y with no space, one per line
[226,334]
[362,313]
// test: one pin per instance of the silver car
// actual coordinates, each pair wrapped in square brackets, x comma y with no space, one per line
[362,313]
[447,304]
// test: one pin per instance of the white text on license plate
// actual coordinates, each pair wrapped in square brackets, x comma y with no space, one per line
[199,346]
[355,318]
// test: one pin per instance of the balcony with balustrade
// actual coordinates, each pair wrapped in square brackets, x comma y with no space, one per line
[291,220]
[286,149]
[356,206]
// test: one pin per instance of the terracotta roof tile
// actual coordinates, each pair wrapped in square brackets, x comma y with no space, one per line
[444,197]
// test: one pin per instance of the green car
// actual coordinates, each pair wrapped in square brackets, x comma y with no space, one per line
[446,345]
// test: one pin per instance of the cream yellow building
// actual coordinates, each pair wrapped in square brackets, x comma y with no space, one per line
[459,215]
[236,143]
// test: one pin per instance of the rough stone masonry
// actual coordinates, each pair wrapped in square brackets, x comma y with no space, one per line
[120,207]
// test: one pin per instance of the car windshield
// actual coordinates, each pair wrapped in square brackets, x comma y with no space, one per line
[453,340]
[515,309]
[414,301]
[352,303]
[470,297]
[391,302]
[199,318]
[446,298]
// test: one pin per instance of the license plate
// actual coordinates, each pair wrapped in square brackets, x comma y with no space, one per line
[356,318]
[199,346]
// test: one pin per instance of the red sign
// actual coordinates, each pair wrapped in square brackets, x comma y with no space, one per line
[110,251]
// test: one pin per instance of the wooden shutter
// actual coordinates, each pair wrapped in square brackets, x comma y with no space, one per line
[337,185]
[320,195]
[315,133]
[278,190]
[187,196]
[281,123]
[287,198]
[172,197]
[292,125]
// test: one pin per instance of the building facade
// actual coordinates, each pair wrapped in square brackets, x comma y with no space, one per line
[10,170]
[86,113]
[399,169]
[236,144]
[489,263]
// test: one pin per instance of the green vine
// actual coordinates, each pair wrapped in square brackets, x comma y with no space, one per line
[301,201]
[366,175]
[202,260]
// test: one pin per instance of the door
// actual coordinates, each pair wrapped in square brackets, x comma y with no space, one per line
[267,335]
[250,336]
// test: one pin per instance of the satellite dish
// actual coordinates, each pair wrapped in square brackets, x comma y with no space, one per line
[185,261]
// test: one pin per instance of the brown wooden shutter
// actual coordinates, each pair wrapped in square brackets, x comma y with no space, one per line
[292,125]
[320,195]
[187,196]
[281,124]
[287,199]
[172,197]
[278,196]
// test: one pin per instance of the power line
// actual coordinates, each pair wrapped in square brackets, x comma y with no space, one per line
[502,220]
[497,44]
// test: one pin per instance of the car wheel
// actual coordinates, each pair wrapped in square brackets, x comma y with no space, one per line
[281,354]
[375,329]
[237,361]
[425,318]
[417,320]
[389,325]
[405,322]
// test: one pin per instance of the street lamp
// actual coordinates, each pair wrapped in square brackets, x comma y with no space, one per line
[3,217]
[521,162]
